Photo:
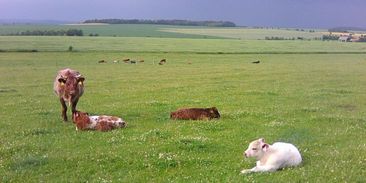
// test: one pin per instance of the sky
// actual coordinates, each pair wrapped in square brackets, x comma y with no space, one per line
[272,13]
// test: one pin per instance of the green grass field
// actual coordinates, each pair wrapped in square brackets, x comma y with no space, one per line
[121,30]
[166,31]
[246,33]
[178,45]
[315,101]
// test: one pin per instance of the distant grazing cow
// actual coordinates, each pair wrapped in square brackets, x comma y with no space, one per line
[116,61]
[141,61]
[133,62]
[102,61]
[256,62]
[162,61]
[102,123]
[126,59]
[69,87]
[272,157]
[195,114]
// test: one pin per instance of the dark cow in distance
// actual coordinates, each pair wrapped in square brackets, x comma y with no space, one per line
[195,114]
[256,62]
[69,87]
[162,61]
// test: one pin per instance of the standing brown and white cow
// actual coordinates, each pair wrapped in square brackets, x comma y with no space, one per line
[68,86]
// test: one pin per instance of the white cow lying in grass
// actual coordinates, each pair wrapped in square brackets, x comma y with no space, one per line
[272,157]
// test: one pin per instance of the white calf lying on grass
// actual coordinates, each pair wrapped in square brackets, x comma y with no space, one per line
[272,157]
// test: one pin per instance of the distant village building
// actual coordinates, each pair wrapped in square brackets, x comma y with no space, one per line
[345,38]
[355,39]
[349,38]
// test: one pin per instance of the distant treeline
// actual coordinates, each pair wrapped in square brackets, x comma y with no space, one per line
[276,38]
[164,22]
[69,32]
[362,38]
[283,38]
[330,37]
[346,29]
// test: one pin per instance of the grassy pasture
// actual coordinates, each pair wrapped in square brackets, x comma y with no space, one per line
[167,31]
[245,33]
[141,44]
[316,101]
[122,30]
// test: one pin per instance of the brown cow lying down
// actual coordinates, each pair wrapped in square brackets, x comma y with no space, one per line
[102,123]
[195,114]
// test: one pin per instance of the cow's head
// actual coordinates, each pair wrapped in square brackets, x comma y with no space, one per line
[256,149]
[71,84]
[214,113]
[81,118]
[121,124]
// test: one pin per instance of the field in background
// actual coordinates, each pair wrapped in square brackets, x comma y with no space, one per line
[248,33]
[315,101]
[167,31]
[141,44]
[124,30]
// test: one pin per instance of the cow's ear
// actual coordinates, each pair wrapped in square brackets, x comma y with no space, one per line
[265,147]
[261,140]
[81,80]
[75,114]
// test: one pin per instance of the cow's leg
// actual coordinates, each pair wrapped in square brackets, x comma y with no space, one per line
[246,171]
[73,105]
[265,168]
[64,109]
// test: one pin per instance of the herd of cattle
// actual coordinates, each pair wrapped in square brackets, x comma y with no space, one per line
[130,61]
[161,62]
[69,87]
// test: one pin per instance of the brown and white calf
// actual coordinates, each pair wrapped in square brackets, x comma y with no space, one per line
[69,87]
[195,114]
[272,157]
[102,123]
